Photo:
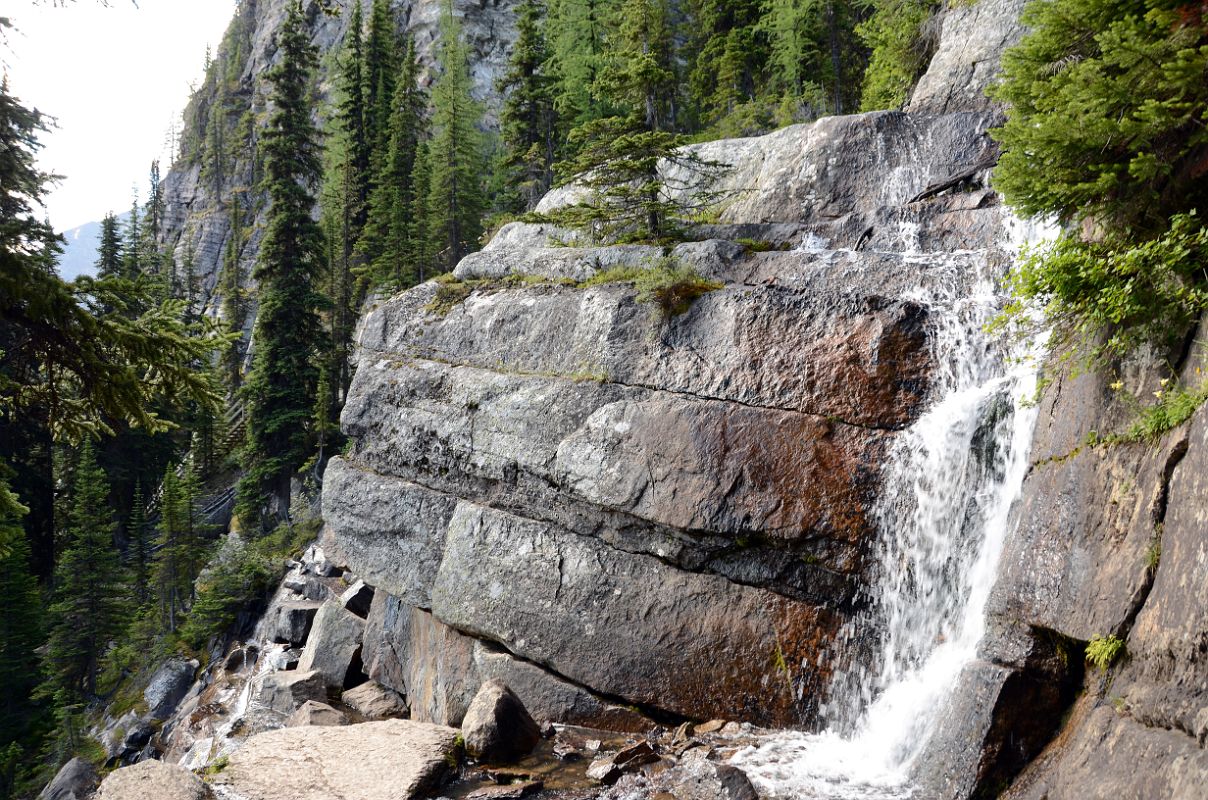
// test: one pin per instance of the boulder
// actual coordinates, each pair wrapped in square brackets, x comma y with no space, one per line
[389,760]
[312,712]
[357,598]
[75,781]
[374,701]
[316,562]
[498,728]
[153,779]
[693,778]
[294,620]
[334,645]
[284,692]
[608,769]
[306,585]
[168,686]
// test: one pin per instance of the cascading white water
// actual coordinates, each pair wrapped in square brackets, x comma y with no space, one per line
[944,515]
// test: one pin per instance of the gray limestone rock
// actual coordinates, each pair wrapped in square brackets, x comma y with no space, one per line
[294,620]
[497,728]
[334,644]
[374,701]
[284,692]
[561,600]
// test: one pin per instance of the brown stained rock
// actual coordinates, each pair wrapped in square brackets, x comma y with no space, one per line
[153,779]
[497,728]
[390,760]
[691,644]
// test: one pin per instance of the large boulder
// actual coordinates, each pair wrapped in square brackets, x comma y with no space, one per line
[312,712]
[333,647]
[168,686]
[153,779]
[374,701]
[498,728]
[294,620]
[390,760]
[75,781]
[284,692]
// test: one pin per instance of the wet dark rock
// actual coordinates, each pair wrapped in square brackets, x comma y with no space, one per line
[75,781]
[241,658]
[294,619]
[608,769]
[306,586]
[358,598]
[691,779]
[513,791]
[497,728]
[168,686]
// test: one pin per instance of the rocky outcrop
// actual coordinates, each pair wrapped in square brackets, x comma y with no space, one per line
[606,507]
[391,760]
[1109,543]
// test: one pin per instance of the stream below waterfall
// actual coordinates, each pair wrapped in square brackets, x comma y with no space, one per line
[943,516]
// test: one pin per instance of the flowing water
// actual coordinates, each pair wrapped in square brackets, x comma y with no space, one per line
[943,516]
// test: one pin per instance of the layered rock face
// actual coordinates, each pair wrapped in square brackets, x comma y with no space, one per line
[628,516]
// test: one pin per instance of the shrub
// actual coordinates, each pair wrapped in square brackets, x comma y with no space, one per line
[1102,652]
[667,283]
[1145,291]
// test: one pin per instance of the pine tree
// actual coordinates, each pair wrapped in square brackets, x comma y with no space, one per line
[528,121]
[132,244]
[154,218]
[138,550]
[387,242]
[89,591]
[280,388]
[351,119]
[423,248]
[456,153]
[576,30]
[618,158]
[234,303]
[20,628]
[181,551]
[109,262]
[727,53]
[380,71]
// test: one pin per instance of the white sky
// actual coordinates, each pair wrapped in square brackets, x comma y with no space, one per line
[114,78]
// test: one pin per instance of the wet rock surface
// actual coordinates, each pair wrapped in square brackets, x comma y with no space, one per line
[1109,543]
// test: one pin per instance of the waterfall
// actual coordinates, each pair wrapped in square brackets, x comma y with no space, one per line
[943,516]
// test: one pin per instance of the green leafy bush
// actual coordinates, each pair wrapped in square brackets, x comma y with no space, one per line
[1102,651]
